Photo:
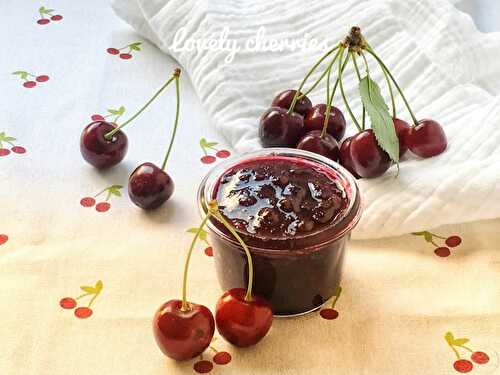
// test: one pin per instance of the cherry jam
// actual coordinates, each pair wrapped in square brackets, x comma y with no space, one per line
[295,212]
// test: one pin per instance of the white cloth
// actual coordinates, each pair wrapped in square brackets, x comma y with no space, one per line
[448,69]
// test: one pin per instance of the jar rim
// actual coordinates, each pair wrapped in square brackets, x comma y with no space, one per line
[211,179]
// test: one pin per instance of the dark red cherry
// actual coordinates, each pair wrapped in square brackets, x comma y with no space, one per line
[181,334]
[402,129]
[242,323]
[97,150]
[426,139]
[315,120]
[284,100]
[368,158]
[345,158]
[280,129]
[326,146]
[149,186]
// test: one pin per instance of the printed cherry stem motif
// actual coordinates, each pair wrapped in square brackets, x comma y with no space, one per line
[202,235]
[83,312]
[26,77]
[330,313]
[464,365]
[103,206]
[47,12]
[131,47]
[44,11]
[9,140]
[115,112]
[127,54]
[207,147]
[440,250]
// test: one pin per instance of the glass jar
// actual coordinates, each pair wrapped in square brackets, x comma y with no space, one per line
[295,274]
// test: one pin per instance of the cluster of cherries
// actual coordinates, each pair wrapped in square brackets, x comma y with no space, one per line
[184,330]
[103,144]
[292,120]
[9,140]
[463,365]
[44,12]
[125,55]
[82,312]
[27,78]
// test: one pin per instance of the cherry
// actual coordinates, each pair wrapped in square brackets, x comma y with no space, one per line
[463,365]
[125,56]
[208,159]
[345,156]
[102,207]
[223,154]
[278,128]
[326,145]
[243,323]
[315,120]
[113,51]
[183,334]
[402,129]
[18,150]
[426,139]
[149,186]
[99,151]
[29,84]
[209,251]
[284,100]
[453,241]
[442,252]
[222,358]
[480,358]
[202,367]
[83,312]
[329,314]
[42,78]
[4,151]
[3,238]
[67,303]
[56,17]
[87,202]
[368,158]
[97,118]
[43,21]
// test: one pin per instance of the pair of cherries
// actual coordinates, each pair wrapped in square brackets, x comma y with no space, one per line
[103,144]
[183,330]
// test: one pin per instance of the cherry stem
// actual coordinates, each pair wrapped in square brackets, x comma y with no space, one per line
[338,292]
[454,350]
[343,93]
[93,299]
[393,102]
[185,305]
[353,55]
[384,67]
[311,71]
[329,98]
[216,214]
[177,73]
[110,134]
[466,348]
[320,78]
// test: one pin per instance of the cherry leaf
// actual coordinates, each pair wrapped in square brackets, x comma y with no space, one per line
[202,233]
[8,139]
[121,110]
[203,142]
[449,338]
[98,286]
[211,144]
[113,111]
[135,46]
[88,289]
[460,342]
[381,120]
[428,236]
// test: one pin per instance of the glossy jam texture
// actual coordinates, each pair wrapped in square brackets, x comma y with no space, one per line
[280,197]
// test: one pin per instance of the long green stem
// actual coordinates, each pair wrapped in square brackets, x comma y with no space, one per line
[325,72]
[353,55]
[229,227]
[389,84]
[110,134]
[185,306]
[384,67]
[455,351]
[176,122]
[311,71]
[343,93]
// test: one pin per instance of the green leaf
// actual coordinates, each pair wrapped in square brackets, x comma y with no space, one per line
[211,144]
[115,187]
[21,73]
[381,120]
[88,289]
[460,342]
[116,192]
[121,110]
[203,233]
[8,139]
[98,286]
[203,142]
[428,236]
[113,111]
[449,338]
[135,46]
[41,9]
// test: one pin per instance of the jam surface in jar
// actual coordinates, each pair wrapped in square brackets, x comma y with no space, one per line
[280,198]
